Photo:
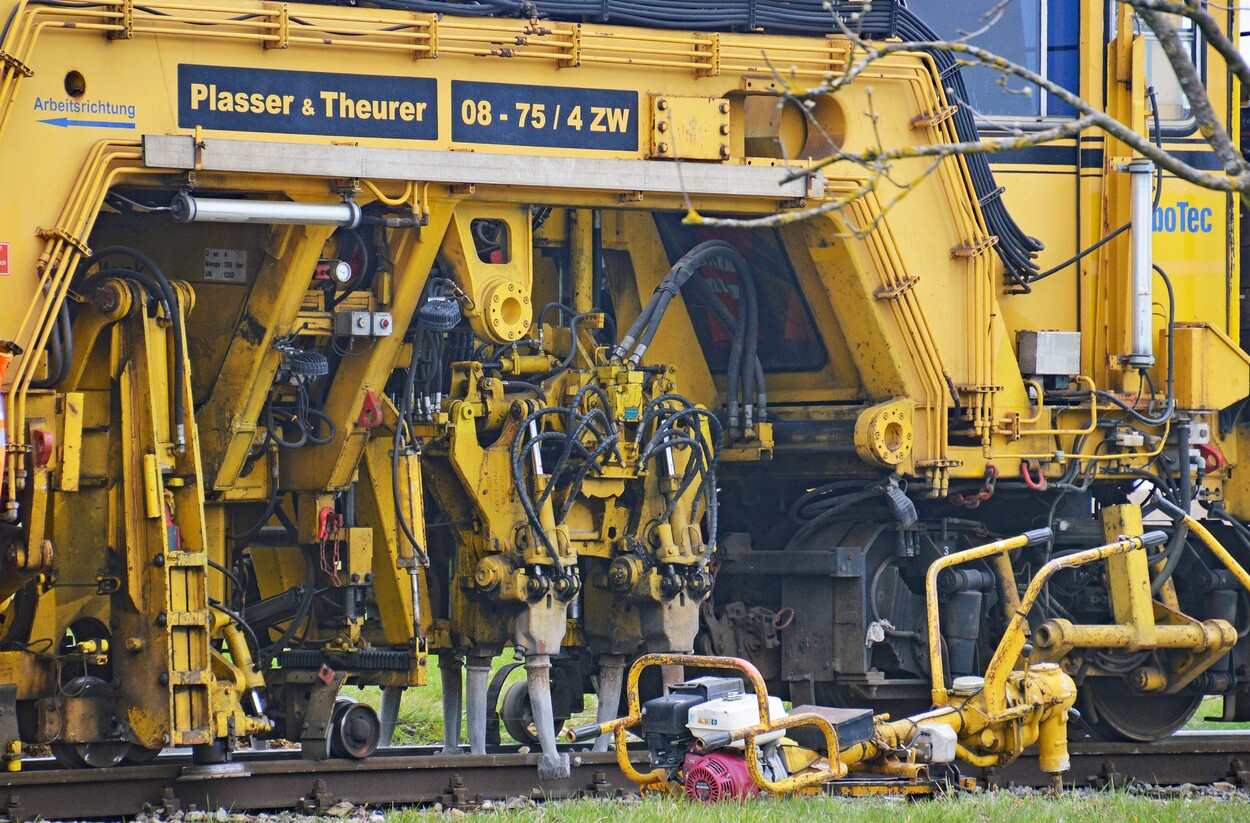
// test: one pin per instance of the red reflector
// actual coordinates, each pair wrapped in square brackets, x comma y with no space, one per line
[43,443]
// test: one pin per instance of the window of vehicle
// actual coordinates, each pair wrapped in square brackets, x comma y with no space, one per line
[788,340]
[1040,35]
[1173,106]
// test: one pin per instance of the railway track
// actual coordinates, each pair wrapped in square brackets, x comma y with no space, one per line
[416,775]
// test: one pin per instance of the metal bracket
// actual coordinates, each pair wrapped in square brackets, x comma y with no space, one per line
[62,234]
[457,796]
[574,58]
[127,22]
[432,22]
[933,118]
[313,723]
[281,15]
[939,464]
[15,64]
[317,801]
[13,808]
[896,291]
[600,789]
[710,48]
[972,248]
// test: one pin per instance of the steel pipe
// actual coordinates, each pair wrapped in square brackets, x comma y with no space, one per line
[189,209]
[1141,172]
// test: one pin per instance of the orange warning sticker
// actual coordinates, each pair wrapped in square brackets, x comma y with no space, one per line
[4,259]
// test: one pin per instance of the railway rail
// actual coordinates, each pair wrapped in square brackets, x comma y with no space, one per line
[416,775]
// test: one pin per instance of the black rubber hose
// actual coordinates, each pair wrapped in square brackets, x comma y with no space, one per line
[521,385]
[671,284]
[229,575]
[555,304]
[518,477]
[576,405]
[1185,488]
[746,366]
[579,478]
[175,319]
[365,278]
[710,455]
[705,294]
[150,286]
[271,429]
[568,360]
[825,516]
[1081,255]
[1176,546]
[60,350]
[405,413]
[268,653]
[572,441]
[657,407]
[237,618]
[270,506]
[623,348]
[310,419]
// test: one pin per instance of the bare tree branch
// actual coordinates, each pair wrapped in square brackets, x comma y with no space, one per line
[1237,180]
[878,161]
[1209,125]
[1211,32]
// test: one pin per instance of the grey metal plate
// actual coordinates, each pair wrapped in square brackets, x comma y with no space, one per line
[476,168]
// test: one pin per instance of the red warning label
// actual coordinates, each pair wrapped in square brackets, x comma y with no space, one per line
[4,259]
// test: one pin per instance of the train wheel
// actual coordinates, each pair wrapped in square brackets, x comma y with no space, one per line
[518,716]
[355,730]
[90,755]
[99,755]
[140,755]
[1113,711]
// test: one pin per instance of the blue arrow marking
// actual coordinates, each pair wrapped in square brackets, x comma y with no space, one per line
[65,122]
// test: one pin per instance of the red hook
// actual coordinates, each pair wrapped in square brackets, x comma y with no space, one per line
[328,523]
[1212,457]
[1039,484]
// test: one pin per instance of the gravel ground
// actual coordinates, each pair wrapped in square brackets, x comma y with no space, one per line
[1218,801]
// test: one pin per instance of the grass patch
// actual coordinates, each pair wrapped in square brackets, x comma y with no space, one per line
[421,709]
[1000,807]
[1212,707]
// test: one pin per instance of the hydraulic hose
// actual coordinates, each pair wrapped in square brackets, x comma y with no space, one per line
[405,412]
[158,285]
[705,294]
[60,350]
[637,339]
[268,653]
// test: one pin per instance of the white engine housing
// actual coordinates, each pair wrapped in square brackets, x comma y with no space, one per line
[735,711]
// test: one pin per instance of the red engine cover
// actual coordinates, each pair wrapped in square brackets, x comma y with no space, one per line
[718,776]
